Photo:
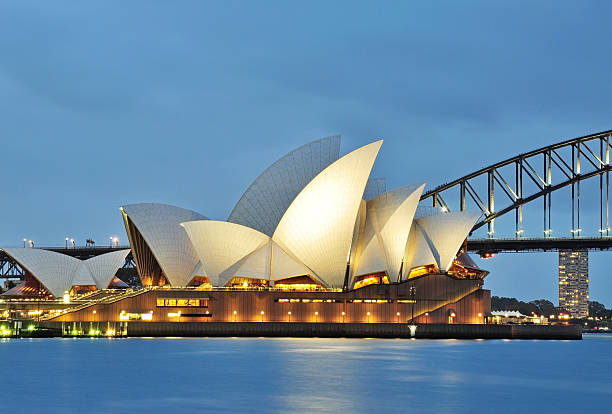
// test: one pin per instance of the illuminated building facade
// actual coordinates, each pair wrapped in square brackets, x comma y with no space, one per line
[574,282]
[312,239]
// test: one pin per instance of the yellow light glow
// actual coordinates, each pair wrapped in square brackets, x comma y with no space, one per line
[297,286]
[66,297]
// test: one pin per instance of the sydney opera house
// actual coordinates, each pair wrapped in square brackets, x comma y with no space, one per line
[312,239]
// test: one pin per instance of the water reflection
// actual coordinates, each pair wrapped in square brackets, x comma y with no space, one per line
[307,375]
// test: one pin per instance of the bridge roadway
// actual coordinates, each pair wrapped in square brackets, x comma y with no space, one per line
[84,252]
[480,246]
[484,246]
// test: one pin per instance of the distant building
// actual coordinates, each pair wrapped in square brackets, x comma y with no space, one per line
[574,282]
[516,317]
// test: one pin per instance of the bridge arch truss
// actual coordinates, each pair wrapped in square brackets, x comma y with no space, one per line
[531,176]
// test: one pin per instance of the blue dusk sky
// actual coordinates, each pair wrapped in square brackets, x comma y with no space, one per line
[113,102]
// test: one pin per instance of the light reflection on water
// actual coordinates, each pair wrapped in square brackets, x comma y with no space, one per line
[305,375]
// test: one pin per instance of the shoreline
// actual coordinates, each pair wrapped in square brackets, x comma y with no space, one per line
[329,330]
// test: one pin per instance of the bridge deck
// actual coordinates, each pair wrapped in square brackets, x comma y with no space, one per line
[482,246]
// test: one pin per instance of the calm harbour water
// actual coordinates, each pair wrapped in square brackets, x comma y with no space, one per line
[306,375]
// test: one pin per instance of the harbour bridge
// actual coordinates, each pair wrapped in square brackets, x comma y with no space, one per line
[532,178]
[525,179]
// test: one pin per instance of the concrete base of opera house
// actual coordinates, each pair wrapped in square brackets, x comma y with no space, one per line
[341,330]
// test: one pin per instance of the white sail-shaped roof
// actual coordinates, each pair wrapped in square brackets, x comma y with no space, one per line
[370,255]
[357,243]
[257,265]
[263,204]
[159,225]
[83,277]
[446,232]
[221,246]
[57,272]
[198,270]
[103,267]
[424,211]
[391,215]
[285,266]
[418,252]
[318,226]
[270,262]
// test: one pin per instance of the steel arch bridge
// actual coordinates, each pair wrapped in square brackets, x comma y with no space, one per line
[531,176]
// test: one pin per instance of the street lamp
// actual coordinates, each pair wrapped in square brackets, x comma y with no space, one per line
[110,243]
[235,313]
[24,242]
[343,313]
[368,316]
[31,243]
[72,241]
[316,316]
[398,315]
[262,315]
[426,317]
[412,292]
[66,242]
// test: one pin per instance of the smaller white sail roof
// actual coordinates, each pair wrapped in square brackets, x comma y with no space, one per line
[391,215]
[424,211]
[318,226]
[159,225]
[370,255]
[257,264]
[271,262]
[284,265]
[83,277]
[198,270]
[104,267]
[57,272]
[221,245]
[418,252]
[445,232]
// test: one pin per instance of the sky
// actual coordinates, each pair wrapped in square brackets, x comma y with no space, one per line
[109,103]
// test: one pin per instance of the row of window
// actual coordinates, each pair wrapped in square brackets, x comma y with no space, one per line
[203,303]
[186,303]
[306,300]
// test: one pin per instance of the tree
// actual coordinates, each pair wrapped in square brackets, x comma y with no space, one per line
[597,309]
